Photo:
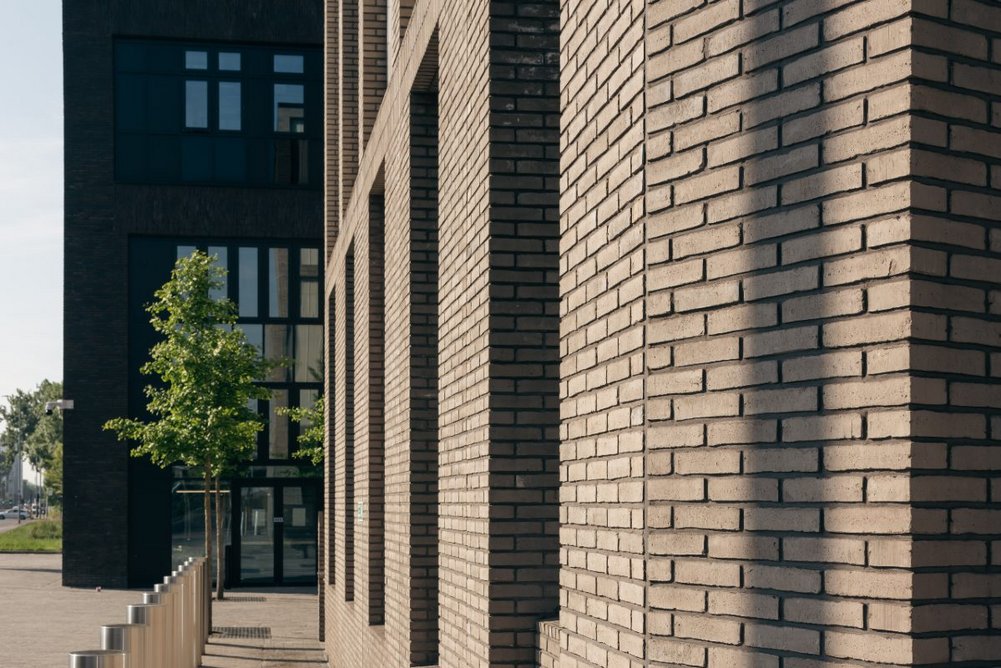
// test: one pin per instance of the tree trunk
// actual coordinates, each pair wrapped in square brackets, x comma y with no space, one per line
[207,511]
[218,539]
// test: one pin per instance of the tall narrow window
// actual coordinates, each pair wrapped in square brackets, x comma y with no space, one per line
[309,285]
[248,294]
[373,63]
[424,372]
[221,254]
[278,283]
[196,104]
[376,412]
[349,427]
[229,105]
[330,458]
[278,426]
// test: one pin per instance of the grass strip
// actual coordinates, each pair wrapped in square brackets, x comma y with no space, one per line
[39,536]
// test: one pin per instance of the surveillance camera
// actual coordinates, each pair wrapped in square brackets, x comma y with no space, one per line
[61,404]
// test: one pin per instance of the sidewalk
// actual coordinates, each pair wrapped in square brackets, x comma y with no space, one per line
[43,621]
[265,628]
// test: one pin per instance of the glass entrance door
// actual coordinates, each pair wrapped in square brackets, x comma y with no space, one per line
[299,534]
[257,535]
[277,534]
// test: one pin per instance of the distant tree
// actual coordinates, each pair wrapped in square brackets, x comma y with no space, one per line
[207,371]
[29,431]
[54,474]
[310,420]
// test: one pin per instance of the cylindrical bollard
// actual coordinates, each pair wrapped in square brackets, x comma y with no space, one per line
[207,598]
[198,567]
[176,582]
[142,615]
[97,658]
[157,645]
[187,631]
[127,638]
[167,600]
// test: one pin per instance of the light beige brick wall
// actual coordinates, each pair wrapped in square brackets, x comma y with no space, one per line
[799,506]
[602,600]
[955,98]
[778,522]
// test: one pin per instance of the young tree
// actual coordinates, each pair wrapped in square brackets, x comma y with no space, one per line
[207,371]
[310,419]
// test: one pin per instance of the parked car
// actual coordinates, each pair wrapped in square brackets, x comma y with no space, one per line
[13,514]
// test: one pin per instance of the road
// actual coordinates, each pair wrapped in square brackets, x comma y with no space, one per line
[10,523]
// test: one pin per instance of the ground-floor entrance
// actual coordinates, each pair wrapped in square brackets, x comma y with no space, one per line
[274,532]
[269,526]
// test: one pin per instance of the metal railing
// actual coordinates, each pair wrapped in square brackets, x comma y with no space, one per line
[168,629]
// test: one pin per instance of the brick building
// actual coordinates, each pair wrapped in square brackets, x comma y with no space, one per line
[663,333]
[194,126]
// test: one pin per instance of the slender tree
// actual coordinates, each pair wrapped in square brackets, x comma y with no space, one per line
[206,370]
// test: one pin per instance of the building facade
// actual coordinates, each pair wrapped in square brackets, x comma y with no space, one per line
[194,127]
[662,333]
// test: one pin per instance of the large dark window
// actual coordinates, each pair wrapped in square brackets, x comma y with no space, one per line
[276,289]
[217,114]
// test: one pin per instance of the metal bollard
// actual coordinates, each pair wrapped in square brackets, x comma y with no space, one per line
[187,645]
[196,621]
[176,583]
[167,600]
[97,658]
[142,615]
[206,599]
[126,638]
[157,645]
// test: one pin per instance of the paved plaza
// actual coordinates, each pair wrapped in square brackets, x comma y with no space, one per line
[42,620]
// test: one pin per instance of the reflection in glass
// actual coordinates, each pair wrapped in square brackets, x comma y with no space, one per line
[299,534]
[309,304]
[309,268]
[222,255]
[289,112]
[188,519]
[196,60]
[229,62]
[287,64]
[278,426]
[306,400]
[229,105]
[257,543]
[278,283]
[309,262]
[248,283]
[277,345]
[254,334]
[185,251]
[196,104]
[309,353]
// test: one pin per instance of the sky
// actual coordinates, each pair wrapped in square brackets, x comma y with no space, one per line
[31,193]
